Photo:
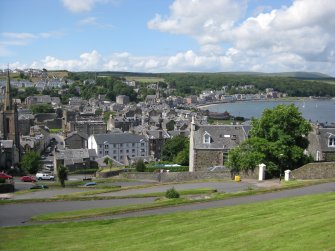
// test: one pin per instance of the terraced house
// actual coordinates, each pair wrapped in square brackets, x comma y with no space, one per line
[119,146]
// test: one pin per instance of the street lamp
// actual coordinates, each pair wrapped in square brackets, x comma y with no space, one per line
[280,165]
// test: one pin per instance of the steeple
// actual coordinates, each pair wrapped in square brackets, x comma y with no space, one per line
[8,95]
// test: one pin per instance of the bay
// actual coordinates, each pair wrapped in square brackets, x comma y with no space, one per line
[322,111]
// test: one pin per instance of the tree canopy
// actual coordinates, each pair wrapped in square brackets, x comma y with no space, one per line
[278,139]
[31,162]
[176,150]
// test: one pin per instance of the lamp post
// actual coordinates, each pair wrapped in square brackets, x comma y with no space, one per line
[280,165]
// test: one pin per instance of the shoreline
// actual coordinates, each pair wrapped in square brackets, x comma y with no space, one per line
[293,99]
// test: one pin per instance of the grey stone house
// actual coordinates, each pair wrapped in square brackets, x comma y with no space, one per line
[210,144]
[322,144]
[76,140]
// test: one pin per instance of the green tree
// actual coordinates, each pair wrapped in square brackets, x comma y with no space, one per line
[42,108]
[140,166]
[62,173]
[31,162]
[176,149]
[278,139]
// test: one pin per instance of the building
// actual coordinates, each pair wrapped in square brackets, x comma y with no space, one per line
[210,144]
[75,140]
[9,128]
[122,99]
[119,146]
[322,144]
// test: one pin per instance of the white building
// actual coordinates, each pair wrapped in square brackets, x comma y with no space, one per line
[119,146]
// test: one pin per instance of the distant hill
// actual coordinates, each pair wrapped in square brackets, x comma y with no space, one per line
[297,74]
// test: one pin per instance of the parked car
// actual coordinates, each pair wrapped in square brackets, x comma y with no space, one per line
[39,187]
[45,176]
[89,184]
[28,179]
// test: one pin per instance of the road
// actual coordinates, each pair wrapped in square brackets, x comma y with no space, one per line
[19,214]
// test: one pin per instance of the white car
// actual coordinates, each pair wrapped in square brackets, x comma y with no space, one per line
[44,176]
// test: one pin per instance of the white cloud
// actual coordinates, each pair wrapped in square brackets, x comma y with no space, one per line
[82,5]
[94,22]
[295,37]
[202,19]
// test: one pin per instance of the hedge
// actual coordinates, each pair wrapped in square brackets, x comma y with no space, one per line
[6,188]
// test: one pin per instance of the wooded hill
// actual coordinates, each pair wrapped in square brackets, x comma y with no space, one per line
[296,84]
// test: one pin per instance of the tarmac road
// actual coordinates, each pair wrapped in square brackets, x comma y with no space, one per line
[19,214]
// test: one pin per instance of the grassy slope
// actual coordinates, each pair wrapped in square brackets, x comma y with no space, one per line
[301,223]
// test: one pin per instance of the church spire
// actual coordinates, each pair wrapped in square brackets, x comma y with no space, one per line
[8,96]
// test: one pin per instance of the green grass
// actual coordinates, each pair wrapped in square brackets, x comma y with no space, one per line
[300,223]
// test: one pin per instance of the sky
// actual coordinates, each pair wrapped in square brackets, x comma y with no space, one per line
[169,35]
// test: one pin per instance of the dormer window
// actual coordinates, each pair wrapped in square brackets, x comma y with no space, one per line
[331,142]
[207,138]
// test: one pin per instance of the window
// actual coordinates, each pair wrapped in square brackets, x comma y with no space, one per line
[142,144]
[133,150]
[127,151]
[207,138]
[106,152]
[121,151]
[100,152]
[100,146]
[331,142]
[114,151]
[106,146]
[133,144]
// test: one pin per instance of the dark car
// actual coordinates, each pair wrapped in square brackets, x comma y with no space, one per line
[39,187]
[89,184]
[28,179]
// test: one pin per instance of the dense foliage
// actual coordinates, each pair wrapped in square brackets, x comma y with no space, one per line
[176,150]
[194,83]
[278,139]
[41,108]
[140,166]
[172,193]
[62,173]
[31,162]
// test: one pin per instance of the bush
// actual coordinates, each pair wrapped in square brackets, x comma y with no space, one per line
[6,188]
[140,166]
[2,180]
[172,193]
[85,171]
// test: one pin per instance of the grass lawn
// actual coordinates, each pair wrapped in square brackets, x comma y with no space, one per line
[300,223]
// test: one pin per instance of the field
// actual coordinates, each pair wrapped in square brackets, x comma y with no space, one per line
[145,79]
[300,223]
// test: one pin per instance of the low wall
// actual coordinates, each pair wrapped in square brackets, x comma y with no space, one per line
[320,170]
[182,176]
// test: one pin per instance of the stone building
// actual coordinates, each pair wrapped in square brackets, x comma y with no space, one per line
[209,144]
[122,99]
[9,128]
[75,140]
[322,143]
[119,146]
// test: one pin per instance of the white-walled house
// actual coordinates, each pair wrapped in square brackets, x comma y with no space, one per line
[119,146]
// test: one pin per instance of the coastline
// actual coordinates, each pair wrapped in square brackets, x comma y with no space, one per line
[208,104]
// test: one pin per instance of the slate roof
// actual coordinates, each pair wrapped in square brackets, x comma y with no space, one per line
[118,138]
[221,136]
[154,134]
[325,134]
[74,155]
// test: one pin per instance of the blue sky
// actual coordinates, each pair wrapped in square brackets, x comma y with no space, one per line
[169,35]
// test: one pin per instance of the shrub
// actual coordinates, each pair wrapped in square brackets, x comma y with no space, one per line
[140,166]
[2,180]
[6,188]
[172,193]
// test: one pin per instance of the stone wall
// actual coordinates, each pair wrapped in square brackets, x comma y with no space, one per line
[182,176]
[207,158]
[319,170]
